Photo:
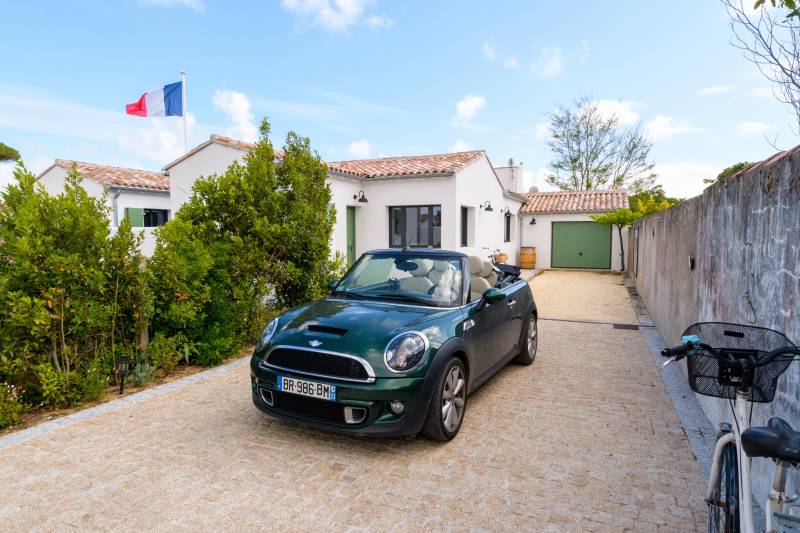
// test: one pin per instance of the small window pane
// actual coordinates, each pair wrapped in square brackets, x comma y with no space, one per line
[436,241]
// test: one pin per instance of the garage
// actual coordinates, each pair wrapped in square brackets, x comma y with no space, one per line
[558,226]
[581,245]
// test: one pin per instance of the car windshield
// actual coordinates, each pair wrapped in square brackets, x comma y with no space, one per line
[435,281]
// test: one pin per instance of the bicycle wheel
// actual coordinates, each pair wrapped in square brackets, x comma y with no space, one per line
[723,512]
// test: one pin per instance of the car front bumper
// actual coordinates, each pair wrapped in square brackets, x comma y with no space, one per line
[329,415]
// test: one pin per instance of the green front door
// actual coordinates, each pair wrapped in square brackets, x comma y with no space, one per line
[351,234]
[581,245]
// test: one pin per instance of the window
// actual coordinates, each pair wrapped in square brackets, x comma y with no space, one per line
[464,226]
[146,218]
[418,226]
[507,228]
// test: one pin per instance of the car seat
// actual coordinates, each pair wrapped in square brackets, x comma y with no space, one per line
[418,282]
[489,273]
[477,283]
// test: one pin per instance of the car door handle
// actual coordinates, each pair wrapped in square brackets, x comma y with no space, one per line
[511,302]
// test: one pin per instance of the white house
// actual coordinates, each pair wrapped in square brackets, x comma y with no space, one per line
[141,195]
[455,201]
[558,225]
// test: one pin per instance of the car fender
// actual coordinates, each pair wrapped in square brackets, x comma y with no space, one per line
[448,348]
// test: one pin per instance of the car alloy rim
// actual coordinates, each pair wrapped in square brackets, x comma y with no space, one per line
[453,397]
[532,337]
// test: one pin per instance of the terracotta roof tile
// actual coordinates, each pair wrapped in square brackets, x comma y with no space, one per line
[575,201]
[415,165]
[118,176]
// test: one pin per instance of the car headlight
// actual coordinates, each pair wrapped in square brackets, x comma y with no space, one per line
[405,351]
[269,331]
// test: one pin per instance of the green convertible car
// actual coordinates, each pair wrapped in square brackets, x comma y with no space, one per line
[397,346]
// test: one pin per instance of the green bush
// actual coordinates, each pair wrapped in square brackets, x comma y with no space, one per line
[141,374]
[163,352]
[10,406]
[249,241]
[72,295]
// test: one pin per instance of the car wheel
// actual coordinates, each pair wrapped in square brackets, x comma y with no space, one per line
[446,410]
[530,341]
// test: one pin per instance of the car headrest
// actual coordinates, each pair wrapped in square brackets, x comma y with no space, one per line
[487,269]
[442,266]
[475,265]
[423,267]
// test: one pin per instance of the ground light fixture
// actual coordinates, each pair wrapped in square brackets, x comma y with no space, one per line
[123,366]
[360,198]
[486,206]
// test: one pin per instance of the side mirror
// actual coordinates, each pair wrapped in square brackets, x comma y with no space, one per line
[493,295]
[332,284]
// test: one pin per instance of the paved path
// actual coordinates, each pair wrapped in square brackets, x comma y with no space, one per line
[584,439]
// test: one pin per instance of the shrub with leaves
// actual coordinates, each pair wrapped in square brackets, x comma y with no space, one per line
[10,406]
[71,293]
[255,236]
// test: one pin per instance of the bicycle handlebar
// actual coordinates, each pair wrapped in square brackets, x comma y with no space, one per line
[679,352]
[676,351]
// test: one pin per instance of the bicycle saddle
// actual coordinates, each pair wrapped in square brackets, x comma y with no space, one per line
[778,440]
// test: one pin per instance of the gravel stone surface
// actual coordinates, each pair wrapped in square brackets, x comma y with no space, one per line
[585,439]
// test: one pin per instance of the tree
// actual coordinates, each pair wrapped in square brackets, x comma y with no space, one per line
[7,153]
[791,5]
[641,205]
[258,233]
[592,150]
[728,172]
[772,43]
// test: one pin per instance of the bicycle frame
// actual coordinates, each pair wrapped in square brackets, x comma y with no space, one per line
[777,499]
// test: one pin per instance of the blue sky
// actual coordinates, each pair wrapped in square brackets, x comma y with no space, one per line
[368,78]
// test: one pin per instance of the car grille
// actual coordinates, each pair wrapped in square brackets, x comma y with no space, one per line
[309,407]
[321,364]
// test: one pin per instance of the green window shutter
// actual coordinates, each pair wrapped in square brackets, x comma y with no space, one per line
[135,215]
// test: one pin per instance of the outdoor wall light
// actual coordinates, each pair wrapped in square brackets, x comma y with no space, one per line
[123,365]
[506,210]
[487,206]
[533,221]
[360,197]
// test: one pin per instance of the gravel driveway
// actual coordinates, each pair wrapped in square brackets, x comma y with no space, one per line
[584,439]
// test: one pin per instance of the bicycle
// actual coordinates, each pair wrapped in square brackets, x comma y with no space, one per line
[742,364]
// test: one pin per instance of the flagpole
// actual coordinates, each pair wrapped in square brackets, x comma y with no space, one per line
[183,101]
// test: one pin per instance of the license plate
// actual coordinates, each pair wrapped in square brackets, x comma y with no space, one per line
[312,389]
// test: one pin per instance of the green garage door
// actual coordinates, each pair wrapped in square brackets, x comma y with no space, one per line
[581,245]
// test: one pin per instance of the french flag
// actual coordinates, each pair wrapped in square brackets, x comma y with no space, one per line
[166,101]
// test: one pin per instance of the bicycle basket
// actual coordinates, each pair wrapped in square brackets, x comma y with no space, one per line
[711,376]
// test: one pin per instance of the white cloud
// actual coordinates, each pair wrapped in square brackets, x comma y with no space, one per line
[684,179]
[511,62]
[158,139]
[488,51]
[662,127]
[542,130]
[197,5]
[237,106]
[381,22]
[336,15]
[360,149]
[753,128]
[550,63]
[460,146]
[468,107]
[718,89]
[622,109]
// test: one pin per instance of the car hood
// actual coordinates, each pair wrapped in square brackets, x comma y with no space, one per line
[357,327]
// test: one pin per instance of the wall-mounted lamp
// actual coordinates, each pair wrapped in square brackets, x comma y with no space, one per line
[533,221]
[486,206]
[506,210]
[360,197]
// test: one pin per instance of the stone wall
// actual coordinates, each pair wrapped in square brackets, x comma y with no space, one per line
[731,255]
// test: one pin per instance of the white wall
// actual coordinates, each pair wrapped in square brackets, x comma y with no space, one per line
[213,159]
[475,185]
[54,179]
[540,235]
[342,192]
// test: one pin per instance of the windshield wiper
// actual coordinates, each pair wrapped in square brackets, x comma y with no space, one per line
[406,298]
[353,295]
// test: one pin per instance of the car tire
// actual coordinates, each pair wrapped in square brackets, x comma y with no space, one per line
[530,342]
[449,400]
